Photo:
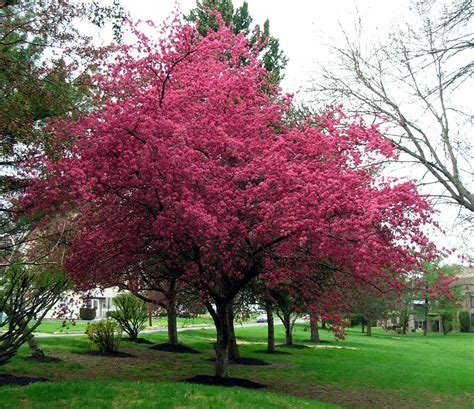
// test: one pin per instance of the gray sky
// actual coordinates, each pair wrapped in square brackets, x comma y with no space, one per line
[304,27]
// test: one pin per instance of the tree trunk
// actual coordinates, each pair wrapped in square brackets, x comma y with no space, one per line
[362,321]
[443,326]
[404,319]
[369,327]
[270,329]
[221,319]
[425,323]
[233,348]
[171,313]
[288,332]
[35,349]
[150,317]
[172,326]
[313,322]
[323,324]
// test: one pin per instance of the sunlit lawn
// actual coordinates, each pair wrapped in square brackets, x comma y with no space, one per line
[52,326]
[386,370]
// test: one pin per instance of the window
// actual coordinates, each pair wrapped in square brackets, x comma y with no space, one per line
[472,319]
[472,301]
[419,324]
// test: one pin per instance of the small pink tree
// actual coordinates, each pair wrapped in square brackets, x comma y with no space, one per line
[188,163]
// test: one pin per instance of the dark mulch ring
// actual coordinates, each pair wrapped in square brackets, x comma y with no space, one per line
[245,361]
[264,351]
[108,354]
[43,359]
[138,340]
[179,349]
[293,346]
[218,381]
[6,379]
[322,341]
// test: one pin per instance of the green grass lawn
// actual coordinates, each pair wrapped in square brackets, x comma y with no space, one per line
[60,326]
[385,370]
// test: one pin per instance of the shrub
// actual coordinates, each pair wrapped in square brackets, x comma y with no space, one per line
[131,314]
[464,321]
[87,313]
[105,336]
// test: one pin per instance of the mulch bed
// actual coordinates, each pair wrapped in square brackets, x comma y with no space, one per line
[43,359]
[7,379]
[264,351]
[138,340]
[178,349]
[108,354]
[229,382]
[244,361]
[294,346]
[322,341]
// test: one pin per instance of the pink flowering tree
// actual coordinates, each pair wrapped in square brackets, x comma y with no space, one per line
[188,163]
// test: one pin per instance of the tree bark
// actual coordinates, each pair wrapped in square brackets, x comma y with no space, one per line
[36,350]
[369,327]
[323,324]
[313,322]
[233,348]
[288,332]
[171,313]
[270,329]
[362,321]
[404,322]
[425,323]
[221,320]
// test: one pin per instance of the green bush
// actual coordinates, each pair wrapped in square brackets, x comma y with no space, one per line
[131,314]
[87,314]
[464,321]
[105,336]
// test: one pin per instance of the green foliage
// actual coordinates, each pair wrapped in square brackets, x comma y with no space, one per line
[105,336]
[87,314]
[240,20]
[464,321]
[131,314]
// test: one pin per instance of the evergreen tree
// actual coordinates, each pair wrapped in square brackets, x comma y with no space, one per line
[239,20]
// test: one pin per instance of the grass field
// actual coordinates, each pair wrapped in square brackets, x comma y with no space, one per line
[383,371]
[60,326]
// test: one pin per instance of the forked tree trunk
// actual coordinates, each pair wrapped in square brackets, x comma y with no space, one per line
[221,321]
[271,329]
[233,348]
[369,327]
[313,322]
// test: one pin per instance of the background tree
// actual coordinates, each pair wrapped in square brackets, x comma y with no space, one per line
[131,314]
[39,82]
[419,80]
[239,20]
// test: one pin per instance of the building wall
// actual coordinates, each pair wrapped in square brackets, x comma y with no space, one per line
[465,283]
[71,302]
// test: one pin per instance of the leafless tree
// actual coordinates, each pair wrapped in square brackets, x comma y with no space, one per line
[420,82]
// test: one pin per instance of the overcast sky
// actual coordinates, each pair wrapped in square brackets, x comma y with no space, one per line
[304,27]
